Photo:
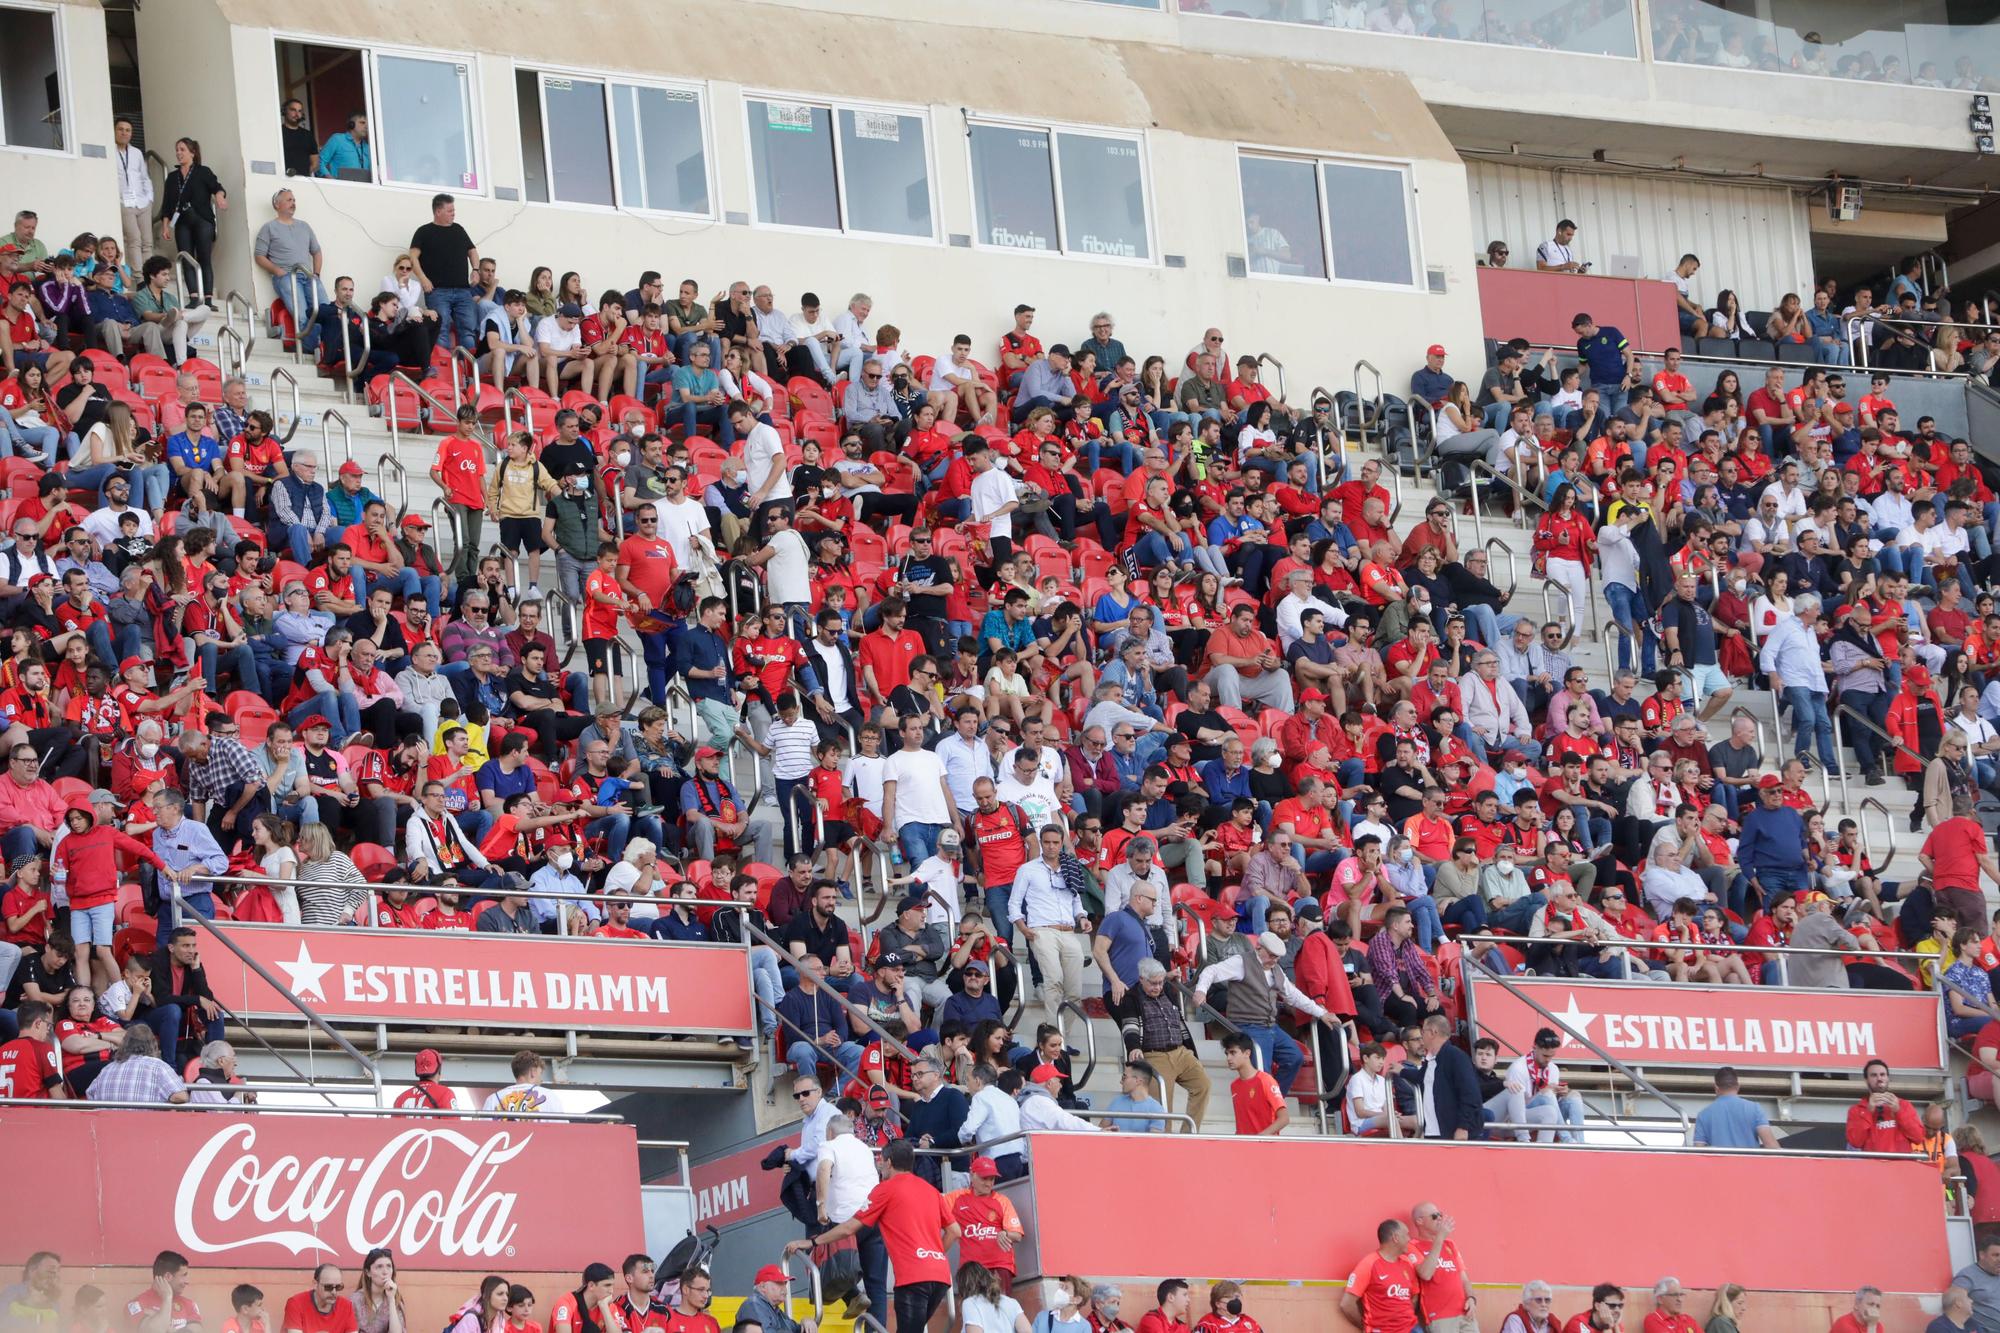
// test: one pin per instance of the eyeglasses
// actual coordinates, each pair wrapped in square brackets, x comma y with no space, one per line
[866,376]
[802,1096]
[647,522]
[333,1286]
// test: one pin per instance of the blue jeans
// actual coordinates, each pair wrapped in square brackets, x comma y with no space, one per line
[617,830]
[768,982]
[1516,916]
[32,442]
[1467,913]
[1125,458]
[683,343]
[299,537]
[342,710]
[1155,549]
[1430,926]
[405,582]
[1809,719]
[242,660]
[1629,609]
[457,310]
[693,414]
[996,911]
[1488,627]
[919,841]
[166,1021]
[1282,1055]
[303,295]
[805,1056]
[1611,401]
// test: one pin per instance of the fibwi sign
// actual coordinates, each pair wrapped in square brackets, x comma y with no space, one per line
[1749,1027]
[431,977]
[275,1190]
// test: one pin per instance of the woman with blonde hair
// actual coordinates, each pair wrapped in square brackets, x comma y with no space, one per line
[334,889]
[1728,1307]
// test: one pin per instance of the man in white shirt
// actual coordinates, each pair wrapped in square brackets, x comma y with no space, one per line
[812,324]
[765,474]
[1555,256]
[1298,597]
[1039,1109]
[783,342]
[995,497]
[102,524]
[916,799]
[856,343]
[683,521]
[964,757]
[135,195]
[1022,783]
[994,1115]
[1047,912]
[845,1171]
[559,340]
[1535,1094]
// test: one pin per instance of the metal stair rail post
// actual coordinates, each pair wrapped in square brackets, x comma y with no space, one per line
[398,381]
[385,467]
[185,263]
[350,368]
[1583,1040]
[327,420]
[1367,410]
[183,916]
[292,428]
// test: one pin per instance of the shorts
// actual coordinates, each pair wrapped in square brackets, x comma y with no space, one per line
[24,359]
[1708,679]
[597,653]
[522,534]
[1687,322]
[93,925]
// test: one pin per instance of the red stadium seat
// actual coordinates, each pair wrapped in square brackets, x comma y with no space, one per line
[207,374]
[375,862]
[1244,725]
[110,371]
[809,398]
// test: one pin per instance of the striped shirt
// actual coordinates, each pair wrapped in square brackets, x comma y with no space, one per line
[324,906]
[792,749]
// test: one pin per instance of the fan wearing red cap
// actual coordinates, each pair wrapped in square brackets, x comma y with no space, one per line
[988,1226]
[1429,382]
[429,1093]
[769,1302]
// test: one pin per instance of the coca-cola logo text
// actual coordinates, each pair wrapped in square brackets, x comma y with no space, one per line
[426,1192]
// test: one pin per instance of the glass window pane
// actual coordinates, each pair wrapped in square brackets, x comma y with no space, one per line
[1013,191]
[426,128]
[887,173]
[1367,212]
[1104,196]
[31,110]
[534,148]
[1281,217]
[791,160]
[579,139]
[662,161]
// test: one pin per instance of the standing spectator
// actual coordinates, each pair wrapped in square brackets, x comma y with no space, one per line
[989,1228]
[1048,913]
[1790,657]
[1449,1100]
[445,258]
[916,797]
[1881,1121]
[916,1228]
[1381,1294]
[135,192]
[1447,1293]
[1257,983]
[1772,847]
[1732,1120]
[288,250]
[188,203]
[1956,853]
[1555,256]
[1261,1108]
[319,1309]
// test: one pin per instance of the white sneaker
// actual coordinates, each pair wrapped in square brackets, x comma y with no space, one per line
[535,591]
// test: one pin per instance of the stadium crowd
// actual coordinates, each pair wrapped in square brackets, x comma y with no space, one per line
[1099,658]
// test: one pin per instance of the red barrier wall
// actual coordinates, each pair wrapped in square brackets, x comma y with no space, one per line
[1306,1210]
[1520,303]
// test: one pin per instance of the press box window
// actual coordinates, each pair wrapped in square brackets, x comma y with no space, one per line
[595,141]
[852,169]
[1073,191]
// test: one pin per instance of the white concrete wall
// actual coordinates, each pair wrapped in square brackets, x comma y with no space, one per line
[930,290]
[71,190]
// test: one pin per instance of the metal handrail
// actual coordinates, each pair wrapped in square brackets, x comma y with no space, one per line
[507,411]
[812,1272]
[396,1112]
[1089,1036]
[1513,572]
[1366,408]
[183,258]
[233,363]
[326,420]
[272,1051]
[1582,1039]
[424,397]
[386,465]
[764,937]
[1515,941]
[1266,359]
[183,916]
[442,528]
[298,302]
[278,373]
[1861,808]
[1423,445]
[351,367]
[231,299]
[1850,711]
[1551,588]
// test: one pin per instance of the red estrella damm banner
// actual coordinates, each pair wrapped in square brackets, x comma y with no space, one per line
[1748,1027]
[514,981]
[276,1190]
[1299,1209]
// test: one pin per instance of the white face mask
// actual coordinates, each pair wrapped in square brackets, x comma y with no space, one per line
[622,458]
[147,750]
[563,860]
[1055,1294]
[1407,855]
[1504,867]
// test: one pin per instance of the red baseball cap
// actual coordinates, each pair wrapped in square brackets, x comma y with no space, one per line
[316,720]
[415,521]
[1768,781]
[1435,349]
[987,1167]
[771,1273]
[426,1062]
[351,469]
[131,664]
[1045,1074]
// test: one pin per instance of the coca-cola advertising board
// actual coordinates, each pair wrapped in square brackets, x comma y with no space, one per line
[276,1190]
[1749,1027]
[513,981]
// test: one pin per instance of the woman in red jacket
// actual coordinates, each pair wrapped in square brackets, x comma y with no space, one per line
[86,861]
[1564,540]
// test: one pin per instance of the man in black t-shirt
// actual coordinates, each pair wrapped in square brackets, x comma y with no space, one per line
[1402,782]
[924,584]
[1690,642]
[1205,728]
[445,258]
[47,975]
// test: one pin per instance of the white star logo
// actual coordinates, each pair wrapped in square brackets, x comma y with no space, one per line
[1576,1020]
[305,975]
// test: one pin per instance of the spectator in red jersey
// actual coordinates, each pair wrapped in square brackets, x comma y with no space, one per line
[1881,1121]
[1225,1311]
[1667,1316]
[165,1307]
[916,1227]
[319,1309]
[1605,1315]
[1104,1302]
[429,1093]
[689,1312]
[1441,1282]
[1535,1313]
[1381,1295]
[29,1065]
[1261,1108]
[1171,1300]
[989,1228]
[1865,1317]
